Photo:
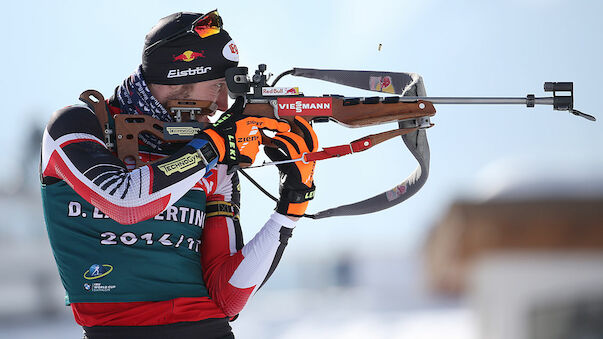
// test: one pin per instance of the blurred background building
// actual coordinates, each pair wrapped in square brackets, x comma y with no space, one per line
[532,268]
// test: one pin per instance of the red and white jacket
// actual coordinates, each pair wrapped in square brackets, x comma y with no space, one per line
[73,151]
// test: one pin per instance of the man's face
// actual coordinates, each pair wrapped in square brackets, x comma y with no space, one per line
[211,90]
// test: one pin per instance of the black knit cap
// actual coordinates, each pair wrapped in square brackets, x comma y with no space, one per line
[189,58]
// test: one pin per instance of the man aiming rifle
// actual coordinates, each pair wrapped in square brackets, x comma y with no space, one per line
[156,251]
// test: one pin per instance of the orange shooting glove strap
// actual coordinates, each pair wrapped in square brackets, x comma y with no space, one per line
[297,184]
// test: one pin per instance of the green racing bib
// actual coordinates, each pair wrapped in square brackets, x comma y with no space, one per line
[100,260]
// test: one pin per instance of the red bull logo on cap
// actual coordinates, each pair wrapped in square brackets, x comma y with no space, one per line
[189,56]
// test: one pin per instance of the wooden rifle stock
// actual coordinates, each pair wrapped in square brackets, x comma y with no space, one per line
[354,112]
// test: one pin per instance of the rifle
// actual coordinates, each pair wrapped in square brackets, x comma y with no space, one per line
[410,107]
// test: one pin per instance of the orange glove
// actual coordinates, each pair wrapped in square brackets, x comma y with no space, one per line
[237,137]
[297,183]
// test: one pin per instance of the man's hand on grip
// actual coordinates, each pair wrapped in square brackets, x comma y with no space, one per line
[297,184]
[237,137]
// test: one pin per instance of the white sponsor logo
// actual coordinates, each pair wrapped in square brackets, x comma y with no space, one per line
[298,106]
[280,90]
[177,73]
[230,51]
[98,287]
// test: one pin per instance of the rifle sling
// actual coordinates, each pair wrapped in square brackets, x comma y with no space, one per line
[356,146]
[419,147]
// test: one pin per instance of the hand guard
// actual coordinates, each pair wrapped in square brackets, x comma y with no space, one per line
[297,185]
[237,137]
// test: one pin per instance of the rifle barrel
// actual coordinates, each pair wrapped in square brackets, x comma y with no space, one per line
[480,100]
[458,100]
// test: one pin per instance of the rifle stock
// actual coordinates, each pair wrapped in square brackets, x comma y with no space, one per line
[350,112]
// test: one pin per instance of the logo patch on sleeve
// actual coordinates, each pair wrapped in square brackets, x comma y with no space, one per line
[181,164]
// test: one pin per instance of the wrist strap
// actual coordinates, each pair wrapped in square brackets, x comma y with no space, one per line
[297,196]
[205,149]
[218,142]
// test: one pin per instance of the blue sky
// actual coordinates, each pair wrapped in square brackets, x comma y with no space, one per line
[55,50]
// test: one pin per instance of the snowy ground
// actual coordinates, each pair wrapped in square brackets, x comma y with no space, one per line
[292,315]
[336,316]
